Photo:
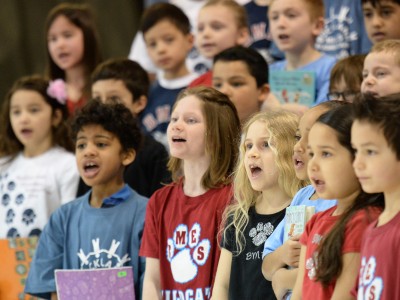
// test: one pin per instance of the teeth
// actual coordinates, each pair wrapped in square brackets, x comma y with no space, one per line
[91,164]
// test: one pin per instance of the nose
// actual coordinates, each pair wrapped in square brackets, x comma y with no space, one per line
[298,147]
[376,20]
[358,162]
[312,166]
[253,153]
[90,150]
[224,88]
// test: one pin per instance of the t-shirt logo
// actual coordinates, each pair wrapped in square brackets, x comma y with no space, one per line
[370,286]
[261,232]
[102,258]
[186,252]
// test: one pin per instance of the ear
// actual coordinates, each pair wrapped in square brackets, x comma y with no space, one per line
[263,92]
[190,40]
[128,157]
[56,118]
[318,27]
[243,37]
[139,105]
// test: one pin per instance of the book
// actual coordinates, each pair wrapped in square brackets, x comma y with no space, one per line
[293,86]
[95,284]
[296,218]
[15,257]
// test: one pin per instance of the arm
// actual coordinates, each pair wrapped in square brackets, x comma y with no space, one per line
[300,275]
[347,278]
[221,285]
[283,280]
[287,254]
[152,282]
[54,296]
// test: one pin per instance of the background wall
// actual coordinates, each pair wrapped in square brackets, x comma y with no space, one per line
[22,37]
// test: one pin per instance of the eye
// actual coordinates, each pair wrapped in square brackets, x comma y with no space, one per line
[169,39]
[80,146]
[386,12]
[101,145]
[371,152]
[265,144]
[237,84]
[297,137]
[367,14]
[34,109]
[217,85]
[151,45]
[191,121]
[173,120]
[248,146]
[326,154]
[310,154]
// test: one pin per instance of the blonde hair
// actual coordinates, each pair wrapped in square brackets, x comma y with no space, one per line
[238,10]
[282,126]
[222,137]
[388,46]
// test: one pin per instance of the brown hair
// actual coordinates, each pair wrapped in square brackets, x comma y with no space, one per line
[9,143]
[350,69]
[222,136]
[236,8]
[81,16]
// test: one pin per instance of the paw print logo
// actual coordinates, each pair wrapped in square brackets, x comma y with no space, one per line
[186,252]
[28,216]
[311,266]
[261,233]
[19,199]
[5,200]
[10,216]
[370,286]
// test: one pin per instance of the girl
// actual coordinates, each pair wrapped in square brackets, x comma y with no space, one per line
[346,78]
[264,185]
[221,24]
[72,50]
[329,257]
[182,219]
[37,172]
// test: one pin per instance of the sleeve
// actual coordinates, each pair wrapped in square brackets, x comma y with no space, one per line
[68,179]
[228,236]
[275,240]
[48,257]
[150,241]
[307,230]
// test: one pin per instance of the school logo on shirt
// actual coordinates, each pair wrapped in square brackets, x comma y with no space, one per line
[260,233]
[102,258]
[186,252]
[369,285]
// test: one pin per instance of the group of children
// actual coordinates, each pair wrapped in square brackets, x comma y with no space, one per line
[219,171]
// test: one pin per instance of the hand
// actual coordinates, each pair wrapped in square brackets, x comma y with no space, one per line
[277,284]
[291,251]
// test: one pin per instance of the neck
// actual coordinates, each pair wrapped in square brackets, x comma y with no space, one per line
[194,172]
[392,205]
[297,59]
[344,203]
[272,201]
[178,72]
[37,149]
[100,192]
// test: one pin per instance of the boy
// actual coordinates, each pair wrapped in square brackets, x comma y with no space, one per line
[375,137]
[381,18]
[166,32]
[106,222]
[381,73]
[127,82]
[242,74]
[295,34]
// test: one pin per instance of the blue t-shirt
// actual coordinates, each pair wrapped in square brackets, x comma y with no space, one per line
[79,236]
[322,69]
[302,197]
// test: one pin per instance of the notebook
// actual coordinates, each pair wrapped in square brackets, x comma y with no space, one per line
[15,257]
[95,284]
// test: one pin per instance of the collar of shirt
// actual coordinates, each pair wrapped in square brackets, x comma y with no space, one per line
[117,198]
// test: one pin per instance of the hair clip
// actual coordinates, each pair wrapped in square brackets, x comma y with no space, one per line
[58,91]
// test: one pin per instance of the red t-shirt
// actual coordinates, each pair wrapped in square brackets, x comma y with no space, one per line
[181,232]
[320,225]
[203,80]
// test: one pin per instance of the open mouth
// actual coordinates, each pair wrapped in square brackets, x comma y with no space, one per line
[178,140]
[90,169]
[298,163]
[255,170]
[283,37]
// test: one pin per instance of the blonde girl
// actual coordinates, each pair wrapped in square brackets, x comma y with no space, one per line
[264,184]
[72,50]
[182,219]
[37,169]
[221,24]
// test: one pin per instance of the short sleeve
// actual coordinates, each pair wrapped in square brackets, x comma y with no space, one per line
[150,242]
[228,236]
[275,240]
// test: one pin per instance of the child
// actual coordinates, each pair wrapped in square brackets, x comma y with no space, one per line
[381,19]
[37,171]
[72,50]
[127,82]
[277,254]
[182,219]
[221,24]
[166,31]
[381,74]
[346,78]
[264,185]
[103,228]
[375,137]
[295,33]
[242,74]
[330,251]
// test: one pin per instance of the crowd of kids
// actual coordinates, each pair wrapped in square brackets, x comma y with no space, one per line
[186,174]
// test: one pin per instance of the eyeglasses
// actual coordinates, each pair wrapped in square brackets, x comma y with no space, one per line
[345,96]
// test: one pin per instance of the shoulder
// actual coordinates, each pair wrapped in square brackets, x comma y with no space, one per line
[303,194]
[327,61]
[364,217]
[138,199]
[278,66]
[61,155]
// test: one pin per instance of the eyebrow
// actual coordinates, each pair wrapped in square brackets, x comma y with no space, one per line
[96,136]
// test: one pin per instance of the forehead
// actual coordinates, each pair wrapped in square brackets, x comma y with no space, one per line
[310,116]
[230,69]
[189,104]
[61,22]
[161,28]
[381,57]
[93,131]
[322,135]
[287,4]
[109,85]
[217,12]
[26,97]
[257,129]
